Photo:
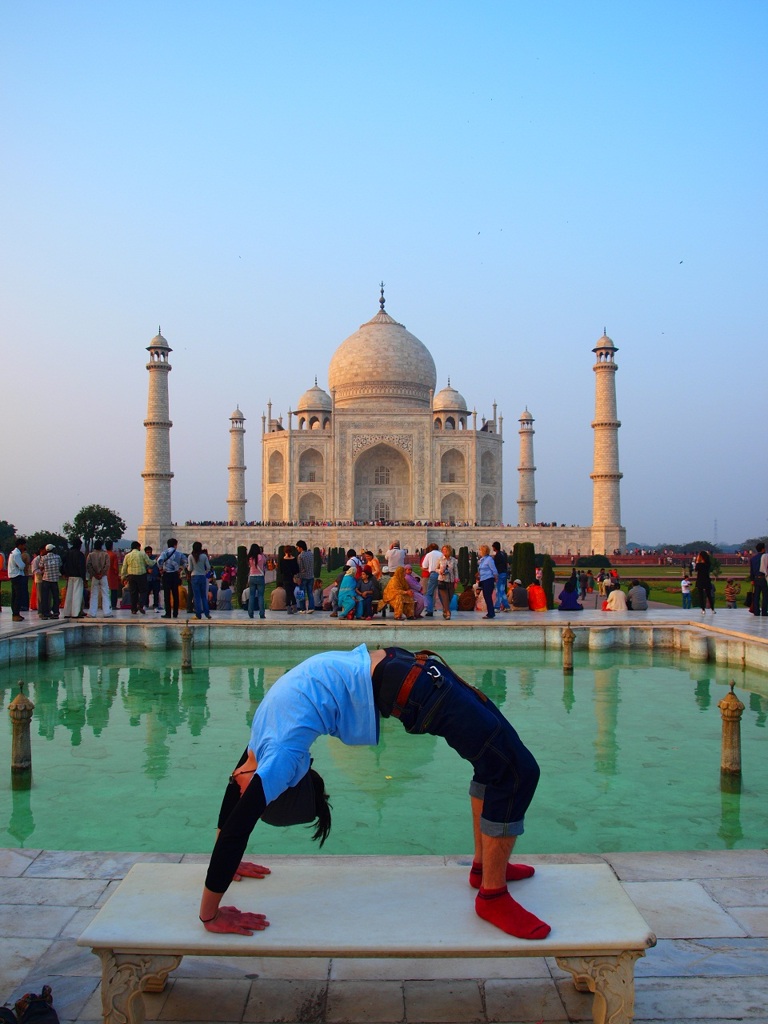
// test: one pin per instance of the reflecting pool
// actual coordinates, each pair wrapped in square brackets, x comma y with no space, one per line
[136,758]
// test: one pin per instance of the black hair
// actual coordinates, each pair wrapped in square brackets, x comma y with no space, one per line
[322,806]
[254,551]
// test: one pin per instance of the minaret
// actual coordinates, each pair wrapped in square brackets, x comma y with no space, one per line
[526,503]
[607,534]
[236,495]
[157,473]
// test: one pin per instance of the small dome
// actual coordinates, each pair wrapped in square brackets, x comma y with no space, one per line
[315,400]
[604,343]
[159,342]
[525,415]
[237,415]
[449,400]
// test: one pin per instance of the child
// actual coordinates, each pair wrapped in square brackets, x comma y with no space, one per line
[317,595]
[333,597]
[685,587]
[365,591]
[300,595]
[732,591]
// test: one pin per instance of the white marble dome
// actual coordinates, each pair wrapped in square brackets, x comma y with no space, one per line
[448,399]
[315,400]
[382,361]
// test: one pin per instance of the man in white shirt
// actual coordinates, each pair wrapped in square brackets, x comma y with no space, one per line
[430,562]
[395,556]
[17,573]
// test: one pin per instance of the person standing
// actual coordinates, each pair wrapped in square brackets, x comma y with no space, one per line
[198,567]
[429,564]
[732,591]
[152,584]
[17,574]
[501,602]
[685,589]
[36,571]
[704,581]
[395,556]
[113,574]
[758,568]
[447,575]
[51,564]
[306,561]
[171,562]
[256,581]
[97,570]
[487,578]
[134,572]
[73,570]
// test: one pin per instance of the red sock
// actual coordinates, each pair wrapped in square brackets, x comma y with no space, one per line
[515,873]
[498,908]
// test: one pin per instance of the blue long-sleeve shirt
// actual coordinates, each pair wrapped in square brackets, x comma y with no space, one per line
[330,694]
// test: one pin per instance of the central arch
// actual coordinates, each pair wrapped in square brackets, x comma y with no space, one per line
[383,482]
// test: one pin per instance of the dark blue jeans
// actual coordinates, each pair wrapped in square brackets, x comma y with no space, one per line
[255,595]
[505,771]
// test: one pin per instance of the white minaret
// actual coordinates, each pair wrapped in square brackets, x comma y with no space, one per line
[606,504]
[236,495]
[157,473]
[526,503]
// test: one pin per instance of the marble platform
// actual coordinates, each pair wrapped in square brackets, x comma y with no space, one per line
[708,909]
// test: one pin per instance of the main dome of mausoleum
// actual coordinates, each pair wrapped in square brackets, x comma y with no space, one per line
[383,362]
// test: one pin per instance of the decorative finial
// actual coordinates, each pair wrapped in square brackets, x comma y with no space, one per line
[315,380]
[605,332]
[381,300]
[449,382]
[158,329]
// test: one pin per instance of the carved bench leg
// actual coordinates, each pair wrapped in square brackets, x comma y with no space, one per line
[124,976]
[611,978]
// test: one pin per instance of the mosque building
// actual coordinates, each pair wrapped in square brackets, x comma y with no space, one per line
[381,454]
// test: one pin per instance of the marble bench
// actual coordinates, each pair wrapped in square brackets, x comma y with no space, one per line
[362,907]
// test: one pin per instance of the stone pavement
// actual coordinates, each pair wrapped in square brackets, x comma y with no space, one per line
[708,909]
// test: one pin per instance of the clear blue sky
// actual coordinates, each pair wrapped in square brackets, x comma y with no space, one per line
[519,174]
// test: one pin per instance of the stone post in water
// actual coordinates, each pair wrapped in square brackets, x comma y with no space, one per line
[20,710]
[568,637]
[731,709]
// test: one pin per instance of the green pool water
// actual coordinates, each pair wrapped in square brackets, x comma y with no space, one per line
[136,757]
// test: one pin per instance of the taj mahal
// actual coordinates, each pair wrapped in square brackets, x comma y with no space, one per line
[382,454]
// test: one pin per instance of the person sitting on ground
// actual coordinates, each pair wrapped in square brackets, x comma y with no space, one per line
[414,582]
[569,596]
[333,599]
[398,595]
[366,588]
[348,600]
[537,598]
[277,602]
[616,600]
[637,598]
[519,596]
[343,694]
[225,596]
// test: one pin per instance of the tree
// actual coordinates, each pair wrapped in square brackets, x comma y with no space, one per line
[463,561]
[242,572]
[40,538]
[548,580]
[525,561]
[7,535]
[95,522]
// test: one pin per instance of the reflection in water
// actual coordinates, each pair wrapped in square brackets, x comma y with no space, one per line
[703,697]
[155,744]
[607,700]
[730,830]
[22,823]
